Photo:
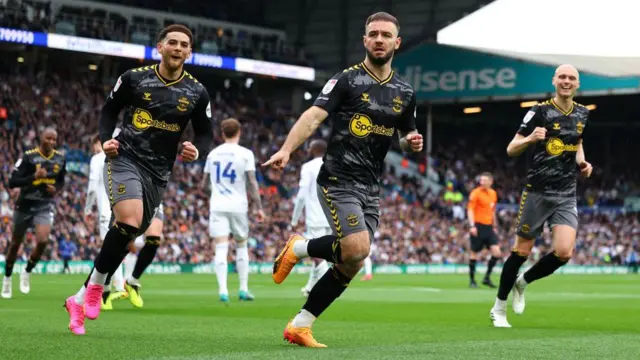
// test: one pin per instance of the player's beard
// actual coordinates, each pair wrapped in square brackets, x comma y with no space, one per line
[171,64]
[379,61]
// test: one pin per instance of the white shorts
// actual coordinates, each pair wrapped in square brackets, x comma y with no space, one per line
[139,242]
[316,232]
[224,223]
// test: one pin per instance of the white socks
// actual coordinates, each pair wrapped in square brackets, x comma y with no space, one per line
[300,249]
[304,319]
[80,295]
[521,281]
[118,279]
[220,261]
[97,278]
[242,265]
[368,266]
[129,264]
[500,305]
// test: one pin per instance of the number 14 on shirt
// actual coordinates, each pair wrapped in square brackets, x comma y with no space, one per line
[228,171]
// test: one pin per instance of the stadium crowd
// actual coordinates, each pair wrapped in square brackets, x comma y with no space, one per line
[417,225]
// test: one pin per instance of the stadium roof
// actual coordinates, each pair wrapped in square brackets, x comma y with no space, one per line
[583,33]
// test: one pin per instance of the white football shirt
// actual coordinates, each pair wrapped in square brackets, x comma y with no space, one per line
[227,166]
[307,197]
[96,191]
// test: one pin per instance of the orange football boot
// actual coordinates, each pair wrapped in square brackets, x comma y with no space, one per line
[286,260]
[301,336]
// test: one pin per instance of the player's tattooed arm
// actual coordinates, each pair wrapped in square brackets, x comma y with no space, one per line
[206,183]
[254,189]
[304,127]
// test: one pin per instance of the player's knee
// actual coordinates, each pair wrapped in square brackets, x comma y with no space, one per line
[350,270]
[564,253]
[355,247]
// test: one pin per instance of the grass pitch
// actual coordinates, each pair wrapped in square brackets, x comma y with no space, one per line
[391,317]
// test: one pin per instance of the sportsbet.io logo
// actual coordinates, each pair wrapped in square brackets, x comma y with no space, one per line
[142,120]
[556,147]
[361,126]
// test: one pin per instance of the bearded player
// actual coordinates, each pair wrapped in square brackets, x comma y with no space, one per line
[367,102]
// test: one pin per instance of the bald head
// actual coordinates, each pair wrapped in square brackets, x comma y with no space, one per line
[566,80]
[567,69]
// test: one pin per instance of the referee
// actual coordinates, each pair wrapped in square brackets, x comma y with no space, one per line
[482,232]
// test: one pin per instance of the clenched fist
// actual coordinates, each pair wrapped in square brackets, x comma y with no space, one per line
[538,134]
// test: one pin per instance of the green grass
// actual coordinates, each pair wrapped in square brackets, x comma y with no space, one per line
[391,317]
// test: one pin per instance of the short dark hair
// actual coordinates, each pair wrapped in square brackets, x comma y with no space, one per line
[487,174]
[318,147]
[175,28]
[96,139]
[230,127]
[382,16]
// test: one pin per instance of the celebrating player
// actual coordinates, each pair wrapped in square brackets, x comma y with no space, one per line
[39,174]
[229,168]
[482,224]
[368,102]
[554,130]
[307,200]
[159,102]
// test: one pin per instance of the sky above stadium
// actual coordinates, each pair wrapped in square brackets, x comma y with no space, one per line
[571,27]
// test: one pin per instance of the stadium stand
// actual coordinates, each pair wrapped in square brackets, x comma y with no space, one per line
[417,225]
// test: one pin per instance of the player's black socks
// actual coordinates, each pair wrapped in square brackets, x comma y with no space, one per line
[105,295]
[35,256]
[490,265]
[114,247]
[510,274]
[472,270]
[326,247]
[330,286]
[146,255]
[30,265]
[8,269]
[544,267]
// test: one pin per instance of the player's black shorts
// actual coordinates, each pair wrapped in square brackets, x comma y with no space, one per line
[124,179]
[27,216]
[536,209]
[486,237]
[351,209]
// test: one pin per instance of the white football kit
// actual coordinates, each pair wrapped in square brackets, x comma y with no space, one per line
[307,199]
[227,166]
[96,193]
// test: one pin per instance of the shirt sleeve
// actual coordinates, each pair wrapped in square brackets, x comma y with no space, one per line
[300,198]
[114,103]
[22,173]
[530,121]
[207,165]
[333,92]
[202,124]
[408,121]
[473,198]
[251,161]
[584,125]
